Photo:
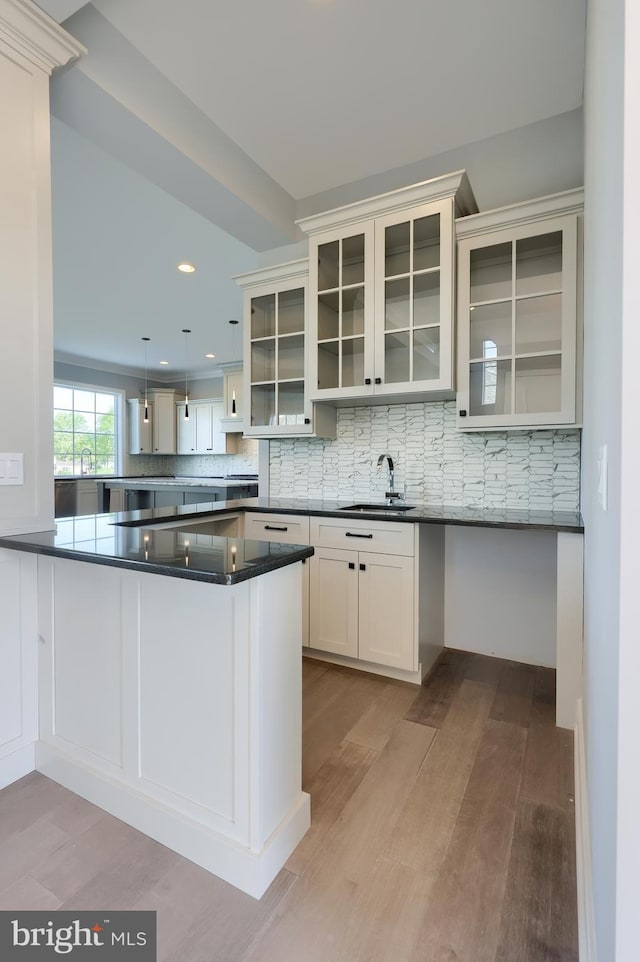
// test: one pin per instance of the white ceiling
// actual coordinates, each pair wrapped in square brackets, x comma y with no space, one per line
[204,125]
[323,92]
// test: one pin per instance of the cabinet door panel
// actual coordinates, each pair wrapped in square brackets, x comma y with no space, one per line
[386,615]
[517,325]
[334,601]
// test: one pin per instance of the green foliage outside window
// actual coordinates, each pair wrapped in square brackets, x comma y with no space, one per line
[84,432]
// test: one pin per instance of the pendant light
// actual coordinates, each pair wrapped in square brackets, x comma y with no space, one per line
[186,331]
[234,411]
[146,400]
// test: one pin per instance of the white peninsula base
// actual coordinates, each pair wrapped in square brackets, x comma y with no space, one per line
[175,705]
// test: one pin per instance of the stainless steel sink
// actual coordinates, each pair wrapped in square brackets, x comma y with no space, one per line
[369,508]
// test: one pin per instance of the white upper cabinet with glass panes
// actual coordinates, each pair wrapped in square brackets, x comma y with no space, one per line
[518,331]
[275,375]
[381,277]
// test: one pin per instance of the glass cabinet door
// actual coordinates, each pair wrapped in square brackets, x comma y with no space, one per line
[517,320]
[414,260]
[276,359]
[341,313]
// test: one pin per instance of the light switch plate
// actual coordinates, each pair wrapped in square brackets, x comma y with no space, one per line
[11,468]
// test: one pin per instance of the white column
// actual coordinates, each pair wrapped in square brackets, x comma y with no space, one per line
[31,46]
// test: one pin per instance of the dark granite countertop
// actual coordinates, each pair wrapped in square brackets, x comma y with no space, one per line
[133,539]
[568,521]
[174,552]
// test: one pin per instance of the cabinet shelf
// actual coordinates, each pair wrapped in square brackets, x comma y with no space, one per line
[275,308]
[517,297]
[518,316]
[390,335]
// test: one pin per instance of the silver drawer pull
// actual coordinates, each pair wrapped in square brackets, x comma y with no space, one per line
[272,527]
[350,534]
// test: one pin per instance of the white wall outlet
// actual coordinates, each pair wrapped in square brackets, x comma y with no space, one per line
[603,476]
[11,468]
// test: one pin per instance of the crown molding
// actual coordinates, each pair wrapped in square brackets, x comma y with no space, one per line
[553,205]
[455,185]
[34,35]
[91,364]
[292,270]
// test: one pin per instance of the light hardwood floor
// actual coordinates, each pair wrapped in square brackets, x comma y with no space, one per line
[442,831]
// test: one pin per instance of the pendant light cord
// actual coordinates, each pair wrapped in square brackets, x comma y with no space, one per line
[186,331]
[146,399]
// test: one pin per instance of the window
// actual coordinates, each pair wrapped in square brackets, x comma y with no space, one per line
[489,372]
[85,430]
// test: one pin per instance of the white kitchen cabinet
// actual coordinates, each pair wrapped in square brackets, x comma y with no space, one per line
[362,602]
[163,422]
[286,529]
[381,308]
[232,420]
[519,332]
[276,400]
[201,432]
[140,437]
[86,497]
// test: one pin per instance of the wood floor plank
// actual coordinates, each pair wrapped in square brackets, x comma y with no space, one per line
[434,698]
[190,902]
[514,694]
[373,728]
[312,671]
[367,822]
[539,919]
[25,801]
[462,918]
[548,766]
[23,851]
[423,829]
[106,865]
[330,788]
[26,894]
[327,688]
[322,735]
[442,843]
[314,919]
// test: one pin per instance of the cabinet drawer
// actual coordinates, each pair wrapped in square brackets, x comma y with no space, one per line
[286,528]
[384,537]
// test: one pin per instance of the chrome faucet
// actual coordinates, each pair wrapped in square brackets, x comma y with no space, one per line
[391,494]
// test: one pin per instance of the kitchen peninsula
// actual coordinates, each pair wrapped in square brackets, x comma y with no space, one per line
[169,658]
[169,684]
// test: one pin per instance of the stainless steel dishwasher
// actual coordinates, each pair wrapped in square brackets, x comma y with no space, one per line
[65,497]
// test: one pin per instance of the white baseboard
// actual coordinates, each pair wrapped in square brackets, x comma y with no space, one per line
[17,765]
[252,872]
[586,917]
[399,674]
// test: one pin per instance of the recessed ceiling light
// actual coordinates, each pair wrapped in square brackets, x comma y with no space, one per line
[209,355]
[164,363]
[186,267]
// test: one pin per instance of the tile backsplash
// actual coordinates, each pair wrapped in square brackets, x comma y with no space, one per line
[534,470]
[198,465]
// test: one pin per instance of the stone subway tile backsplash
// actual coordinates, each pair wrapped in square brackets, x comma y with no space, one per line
[535,470]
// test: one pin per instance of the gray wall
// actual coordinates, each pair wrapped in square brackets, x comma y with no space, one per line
[602,411]
[532,161]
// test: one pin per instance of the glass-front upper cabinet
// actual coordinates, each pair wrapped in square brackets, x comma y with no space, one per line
[275,314]
[518,315]
[414,301]
[381,276]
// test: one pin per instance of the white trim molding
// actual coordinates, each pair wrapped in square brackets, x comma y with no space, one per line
[528,211]
[586,915]
[454,185]
[35,36]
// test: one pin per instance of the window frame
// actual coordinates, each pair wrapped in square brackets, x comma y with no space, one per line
[119,396]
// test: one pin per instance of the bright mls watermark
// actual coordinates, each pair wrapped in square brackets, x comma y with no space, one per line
[98,935]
